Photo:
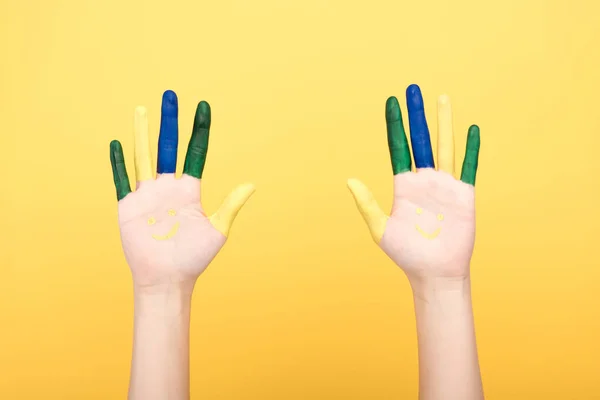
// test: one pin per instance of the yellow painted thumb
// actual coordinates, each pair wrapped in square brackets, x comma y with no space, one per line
[225,215]
[368,207]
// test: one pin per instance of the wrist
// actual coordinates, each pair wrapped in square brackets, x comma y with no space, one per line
[169,300]
[433,289]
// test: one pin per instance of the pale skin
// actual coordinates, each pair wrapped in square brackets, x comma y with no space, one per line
[430,234]
[168,241]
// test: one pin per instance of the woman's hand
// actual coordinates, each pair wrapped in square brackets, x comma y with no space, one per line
[167,237]
[430,233]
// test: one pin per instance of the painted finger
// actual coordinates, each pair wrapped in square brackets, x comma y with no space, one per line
[117,160]
[445,153]
[373,215]
[469,168]
[225,215]
[397,142]
[198,146]
[168,137]
[143,158]
[419,132]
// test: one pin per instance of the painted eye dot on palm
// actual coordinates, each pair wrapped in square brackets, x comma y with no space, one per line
[422,232]
[172,231]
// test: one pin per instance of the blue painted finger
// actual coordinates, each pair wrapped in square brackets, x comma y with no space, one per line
[168,137]
[419,132]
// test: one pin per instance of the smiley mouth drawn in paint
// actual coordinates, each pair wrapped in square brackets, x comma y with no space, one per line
[172,231]
[433,234]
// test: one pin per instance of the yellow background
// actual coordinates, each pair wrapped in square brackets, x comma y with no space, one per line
[300,304]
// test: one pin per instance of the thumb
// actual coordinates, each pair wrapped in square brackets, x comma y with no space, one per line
[225,215]
[368,207]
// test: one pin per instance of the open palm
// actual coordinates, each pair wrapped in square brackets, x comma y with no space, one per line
[167,238]
[431,229]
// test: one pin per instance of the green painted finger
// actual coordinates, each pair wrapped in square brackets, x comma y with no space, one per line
[198,146]
[469,168]
[397,142]
[119,171]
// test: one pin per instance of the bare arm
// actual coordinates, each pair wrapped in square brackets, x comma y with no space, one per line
[430,234]
[160,363]
[168,241]
[448,362]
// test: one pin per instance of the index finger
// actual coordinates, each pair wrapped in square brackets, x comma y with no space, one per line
[397,142]
[471,162]
[198,146]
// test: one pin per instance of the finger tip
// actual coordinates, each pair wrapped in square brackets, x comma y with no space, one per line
[169,96]
[116,152]
[203,116]
[245,190]
[392,109]
[473,138]
[414,98]
[140,111]
[115,145]
[444,100]
[413,89]
[391,101]
[249,187]
[473,132]
[353,184]
[169,103]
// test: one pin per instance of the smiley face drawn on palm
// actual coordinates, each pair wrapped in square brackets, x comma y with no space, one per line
[432,224]
[431,228]
[172,231]
[422,232]
[166,236]
[164,229]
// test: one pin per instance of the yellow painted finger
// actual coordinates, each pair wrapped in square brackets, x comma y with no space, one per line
[445,156]
[143,159]
[225,215]
[368,207]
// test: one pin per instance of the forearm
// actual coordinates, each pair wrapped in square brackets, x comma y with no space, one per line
[448,361]
[160,363]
